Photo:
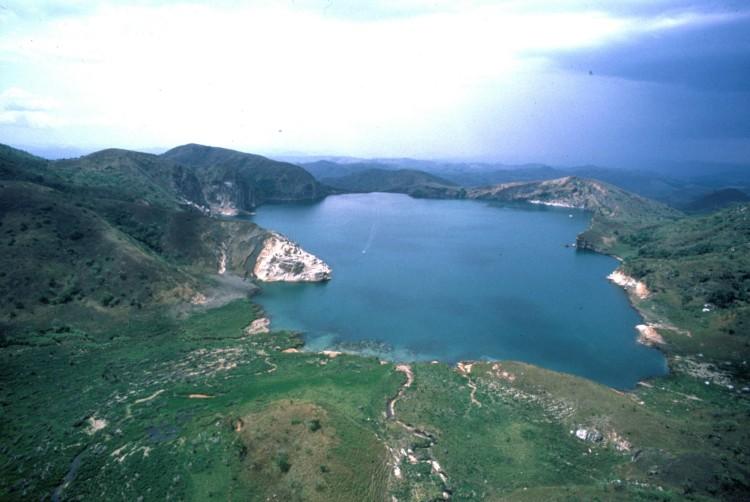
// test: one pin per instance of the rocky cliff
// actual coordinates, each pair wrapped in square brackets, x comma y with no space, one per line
[283,260]
[234,181]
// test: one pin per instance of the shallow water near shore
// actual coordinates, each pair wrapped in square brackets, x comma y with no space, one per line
[452,280]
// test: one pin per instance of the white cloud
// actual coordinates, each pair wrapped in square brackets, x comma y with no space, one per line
[236,75]
[19,107]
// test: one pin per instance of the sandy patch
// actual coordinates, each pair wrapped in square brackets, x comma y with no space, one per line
[554,203]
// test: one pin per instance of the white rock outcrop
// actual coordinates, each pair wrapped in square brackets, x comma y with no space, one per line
[647,335]
[284,260]
[258,326]
[629,283]
[555,203]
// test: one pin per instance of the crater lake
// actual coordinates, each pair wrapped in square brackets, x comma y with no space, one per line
[452,280]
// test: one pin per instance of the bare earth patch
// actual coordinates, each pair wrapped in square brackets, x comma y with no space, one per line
[632,285]
[465,370]
[647,335]
[261,325]
[95,425]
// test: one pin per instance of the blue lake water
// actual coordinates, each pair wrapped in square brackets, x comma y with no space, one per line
[455,280]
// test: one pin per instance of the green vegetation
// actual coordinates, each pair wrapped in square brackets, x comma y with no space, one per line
[670,439]
[717,200]
[188,409]
[242,180]
[697,269]
[407,181]
[89,240]
[613,210]
[126,370]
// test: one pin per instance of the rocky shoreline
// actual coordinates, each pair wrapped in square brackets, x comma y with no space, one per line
[632,285]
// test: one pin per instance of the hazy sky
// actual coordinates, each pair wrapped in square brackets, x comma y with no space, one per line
[565,82]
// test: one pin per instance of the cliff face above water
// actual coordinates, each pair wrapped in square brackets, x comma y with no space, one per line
[284,260]
[234,181]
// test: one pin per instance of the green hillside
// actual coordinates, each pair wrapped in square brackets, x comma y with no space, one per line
[106,235]
[407,181]
[717,200]
[234,180]
[614,211]
[131,176]
[697,268]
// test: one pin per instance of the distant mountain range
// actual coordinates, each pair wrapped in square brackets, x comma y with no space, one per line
[670,184]
[679,184]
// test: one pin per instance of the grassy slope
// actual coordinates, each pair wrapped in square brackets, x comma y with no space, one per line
[158,442]
[130,176]
[95,237]
[684,438]
[717,200]
[693,262]
[249,179]
[63,261]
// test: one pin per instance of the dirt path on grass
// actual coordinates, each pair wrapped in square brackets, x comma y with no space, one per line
[390,409]
[399,455]
[465,370]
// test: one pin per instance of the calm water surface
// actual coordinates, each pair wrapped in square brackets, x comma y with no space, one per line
[453,280]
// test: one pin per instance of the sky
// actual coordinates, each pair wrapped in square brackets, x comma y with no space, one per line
[565,82]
